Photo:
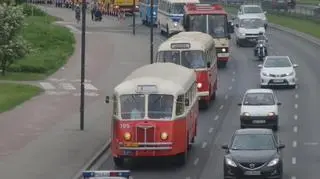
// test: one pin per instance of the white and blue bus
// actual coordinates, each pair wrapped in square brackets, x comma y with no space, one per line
[145,11]
[170,15]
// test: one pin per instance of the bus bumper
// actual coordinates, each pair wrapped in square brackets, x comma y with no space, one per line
[223,59]
[145,150]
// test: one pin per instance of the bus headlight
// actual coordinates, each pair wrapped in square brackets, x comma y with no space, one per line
[164,136]
[223,50]
[127,136]
[199,85]
[175,24]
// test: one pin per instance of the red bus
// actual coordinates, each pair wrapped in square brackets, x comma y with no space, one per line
[155,113]
[194,50]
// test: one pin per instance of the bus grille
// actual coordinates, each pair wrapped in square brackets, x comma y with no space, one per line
[145,134]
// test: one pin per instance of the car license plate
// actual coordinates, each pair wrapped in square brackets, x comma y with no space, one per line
[127,152]
[252,173]
[259,121]
[223,54]
[278,80]
[131,144]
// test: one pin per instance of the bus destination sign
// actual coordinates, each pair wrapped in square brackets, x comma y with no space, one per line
[180,45]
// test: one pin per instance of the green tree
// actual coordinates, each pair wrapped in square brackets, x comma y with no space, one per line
[12,45]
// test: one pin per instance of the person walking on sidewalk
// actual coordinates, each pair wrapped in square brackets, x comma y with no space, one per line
[93,10]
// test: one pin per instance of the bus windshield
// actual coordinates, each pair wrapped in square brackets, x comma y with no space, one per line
[160,106]
[169,56]
[132,106]
[218,25]
[193,59]
[177,8]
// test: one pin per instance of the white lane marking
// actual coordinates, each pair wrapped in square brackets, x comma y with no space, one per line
[67,86]
[295,129]
[294,144]
[196,161]
[234,72]
[293,177]
[204,145]
[91,94]
[226,97]
[233,80]
[216,117]
[79,80]
[294,160]
[296,96]
[295,117]
[311,143]
[230,87]
[296,106]
[89,86]
[57,93]
[221,107]
[210,130]
[47,86]
[57,80]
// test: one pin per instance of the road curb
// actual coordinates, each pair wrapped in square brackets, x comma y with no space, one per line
[94,159]
[296,33]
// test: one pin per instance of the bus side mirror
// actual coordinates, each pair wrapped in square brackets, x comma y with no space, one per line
[208,64]
[186,102]
[230,27]
[107,100]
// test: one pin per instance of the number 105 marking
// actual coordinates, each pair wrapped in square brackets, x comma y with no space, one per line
[124,126]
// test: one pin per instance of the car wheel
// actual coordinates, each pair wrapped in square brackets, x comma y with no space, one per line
[118,161]
[263,86]
[292,86]
[242,126]
[275,127]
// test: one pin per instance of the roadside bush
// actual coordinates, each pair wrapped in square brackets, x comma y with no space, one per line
[29,9]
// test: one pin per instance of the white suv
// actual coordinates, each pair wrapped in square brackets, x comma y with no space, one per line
[278,71]
[254,10]
[259,108]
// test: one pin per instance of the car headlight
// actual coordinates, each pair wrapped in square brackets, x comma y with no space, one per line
[199,85]
[265,74]
[137,7]
[154,13]
[271,114]
[175,23]
[290,74]
[164,136]
[273,162]
[246,114]
[230,162]
[127,136]
[260,45]
[242,34]
[223,50]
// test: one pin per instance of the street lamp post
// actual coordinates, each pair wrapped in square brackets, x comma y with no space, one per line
[83,62]
[151,31]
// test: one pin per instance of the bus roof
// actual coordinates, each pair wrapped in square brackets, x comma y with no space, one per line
[200,9]
[168,78]
[197,40]
[183,1]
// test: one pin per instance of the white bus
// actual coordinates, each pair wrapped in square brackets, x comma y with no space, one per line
[170,15]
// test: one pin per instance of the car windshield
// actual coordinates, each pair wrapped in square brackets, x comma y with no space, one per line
[169,56]
[251,23]
[218,25]
[177,8]
[193,59]
[252,10]
[132,106]
[277,63]
[253,142]
[160,106]
[255,99]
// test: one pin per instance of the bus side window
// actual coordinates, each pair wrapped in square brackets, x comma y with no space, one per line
[180,105]
[115,105]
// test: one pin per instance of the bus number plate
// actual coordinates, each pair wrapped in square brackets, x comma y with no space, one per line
[127,152]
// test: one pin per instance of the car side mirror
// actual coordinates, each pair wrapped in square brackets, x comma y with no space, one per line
[107,100]
[281,146]
[225,147]
[186,102]
[208,64]
[279,103]
[237,25]
[239,104]
[260,66]
[295,65]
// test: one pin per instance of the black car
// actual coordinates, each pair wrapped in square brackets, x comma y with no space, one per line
[253,153]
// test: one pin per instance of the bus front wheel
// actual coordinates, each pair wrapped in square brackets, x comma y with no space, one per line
[118,161]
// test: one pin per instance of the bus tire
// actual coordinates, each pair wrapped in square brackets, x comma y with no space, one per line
[213,96]
[182,158]
[118,161]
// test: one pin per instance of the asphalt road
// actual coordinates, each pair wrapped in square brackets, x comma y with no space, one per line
[298,116]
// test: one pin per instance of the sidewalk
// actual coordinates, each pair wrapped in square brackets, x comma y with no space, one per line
[40,139]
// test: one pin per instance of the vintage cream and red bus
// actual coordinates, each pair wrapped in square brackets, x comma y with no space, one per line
[194,50]
[155,113]
[211,19]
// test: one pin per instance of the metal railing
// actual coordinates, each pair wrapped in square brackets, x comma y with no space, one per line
[299,11]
